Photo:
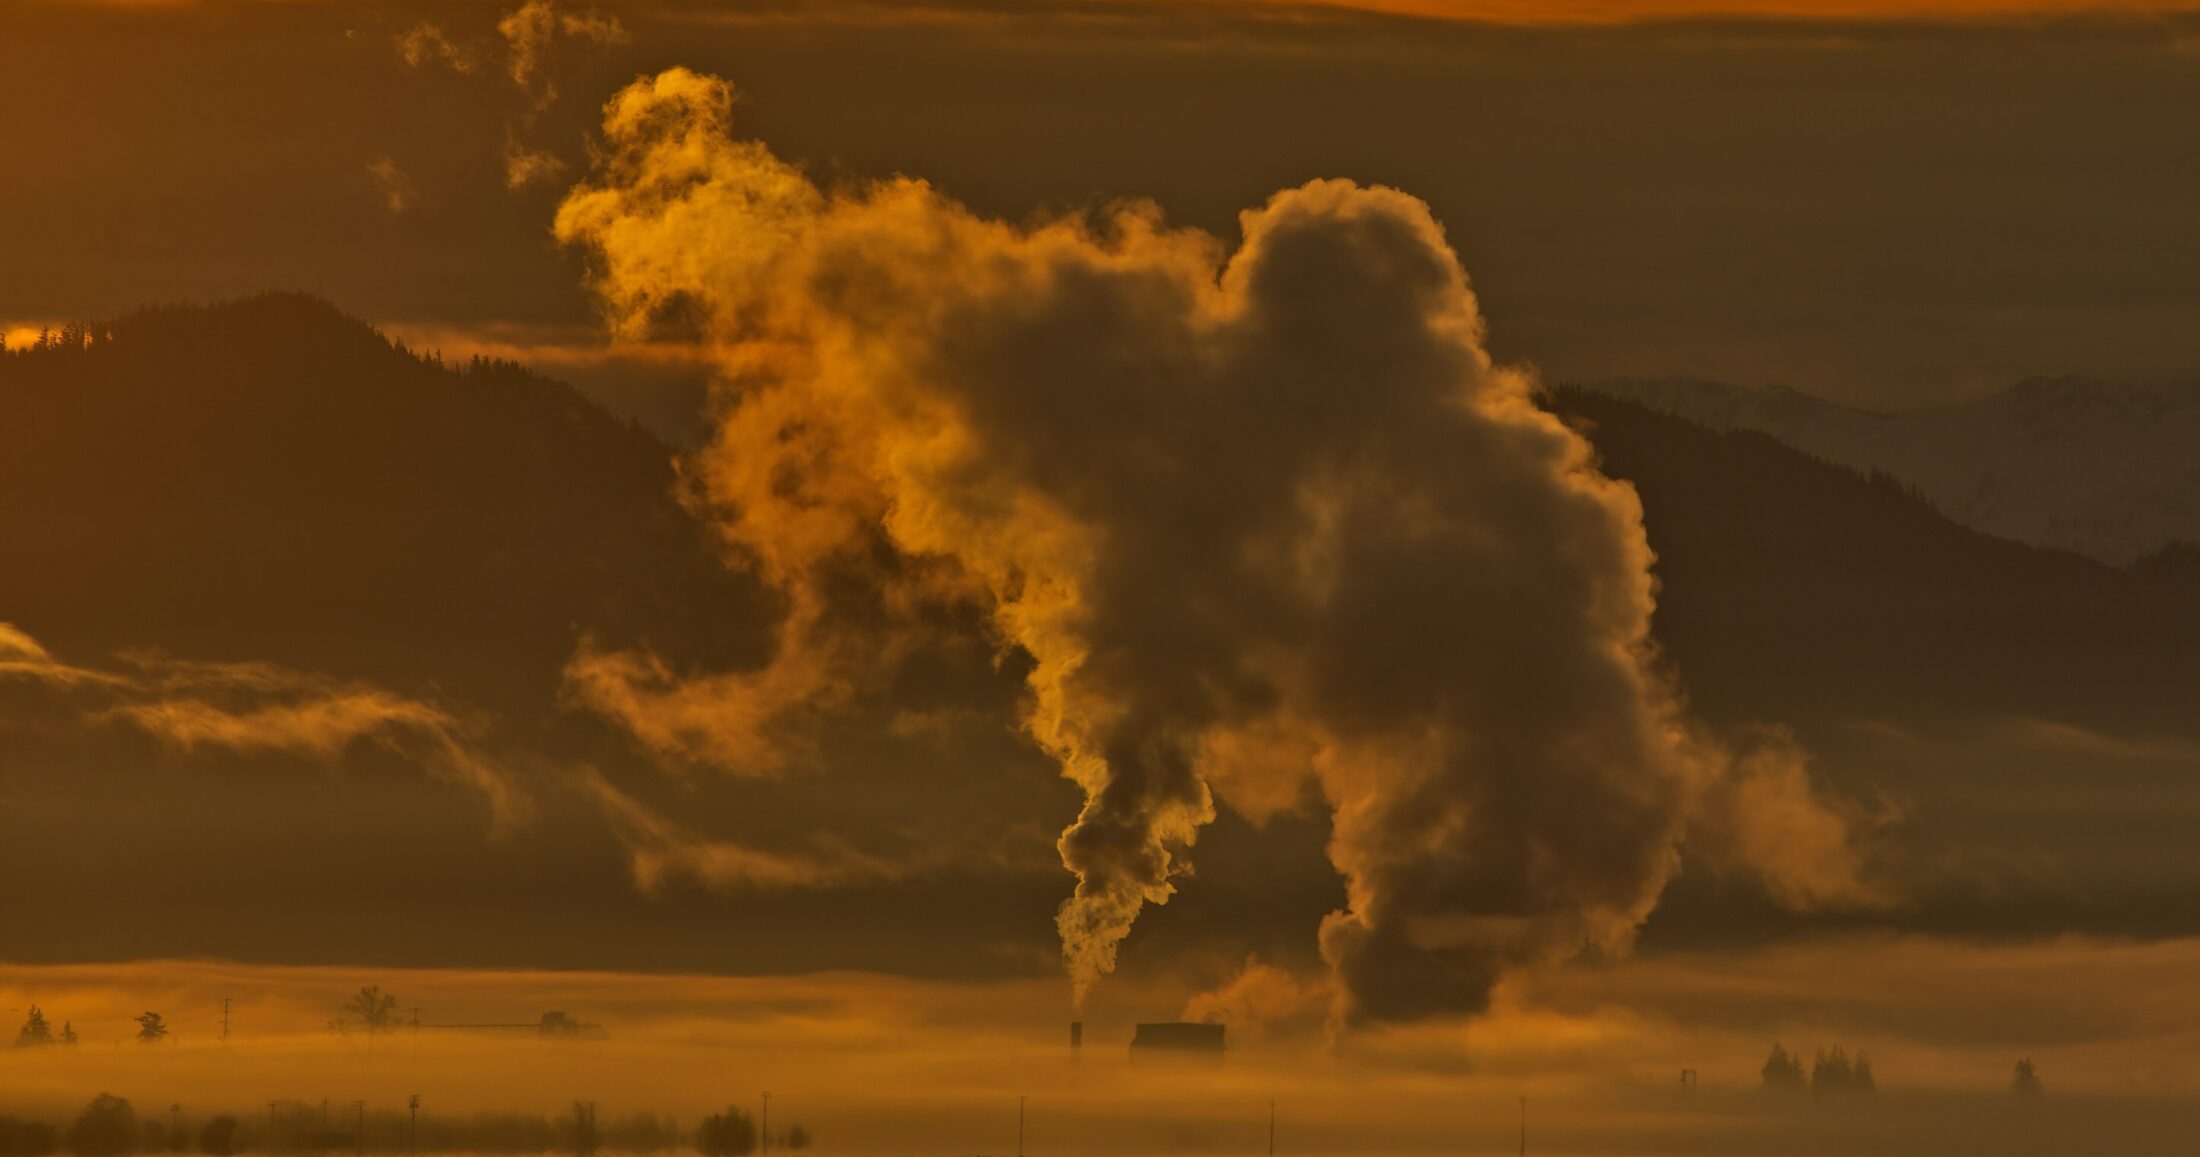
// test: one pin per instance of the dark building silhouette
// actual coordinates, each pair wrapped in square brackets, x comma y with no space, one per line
[1177,1039]
[559,1024]
[552,1024]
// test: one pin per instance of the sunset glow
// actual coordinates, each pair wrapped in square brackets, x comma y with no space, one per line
[1099,578]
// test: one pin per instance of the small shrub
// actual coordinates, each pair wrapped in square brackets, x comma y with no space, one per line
[107,1127]
[218,1137]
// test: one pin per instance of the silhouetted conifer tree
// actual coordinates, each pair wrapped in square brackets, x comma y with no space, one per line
[728,1134]
[2026,1083]
[1782,1072]
[35,1030]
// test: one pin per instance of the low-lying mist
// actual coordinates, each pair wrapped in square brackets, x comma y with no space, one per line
[871,1064]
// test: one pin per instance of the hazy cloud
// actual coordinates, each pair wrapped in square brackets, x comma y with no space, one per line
[734,721]
[1765,816]
[662,851]
[21,657]
[531,34]
[253,707]
[1261,996]
[1635,11]
[393,183]
[524,166]
[424,45]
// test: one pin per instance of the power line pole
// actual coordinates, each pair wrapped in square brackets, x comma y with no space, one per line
[1523,1127]
[225,1020]
[1019,1126]
[764,1132]
[1271,1127]
[361,1139]
[413,1103]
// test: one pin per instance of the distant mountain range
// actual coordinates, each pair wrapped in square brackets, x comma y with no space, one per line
[2107,470]
[271,480]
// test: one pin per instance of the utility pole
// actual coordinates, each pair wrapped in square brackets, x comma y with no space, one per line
[175,1124]
[1523,1127]
[271,1125]
[1271,1127]
[413,1103]
[1019,1126]
[225,1020]
[361,1139]
[764,1132]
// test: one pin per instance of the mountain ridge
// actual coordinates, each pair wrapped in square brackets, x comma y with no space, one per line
[2111,470]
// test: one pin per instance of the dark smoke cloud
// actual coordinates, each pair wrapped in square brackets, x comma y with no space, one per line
[1266,522]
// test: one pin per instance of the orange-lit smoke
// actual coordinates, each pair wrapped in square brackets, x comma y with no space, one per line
[1267,522]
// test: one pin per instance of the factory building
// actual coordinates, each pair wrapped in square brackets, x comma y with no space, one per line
[1177,1040]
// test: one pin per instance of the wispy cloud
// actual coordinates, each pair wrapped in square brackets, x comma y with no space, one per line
[532,33]
[22,658]
[524,166]
[425,45]
[261,707]
[663,850]
[393,183]
[1517,13]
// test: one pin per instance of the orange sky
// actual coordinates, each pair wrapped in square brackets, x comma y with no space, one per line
[1511,11]
[326,632]
[1625,11]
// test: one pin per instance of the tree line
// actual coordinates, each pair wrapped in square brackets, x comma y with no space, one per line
[1835,1073]
[38,1030]
[109,1126]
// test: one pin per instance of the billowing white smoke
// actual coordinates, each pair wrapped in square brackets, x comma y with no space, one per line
[1258,517]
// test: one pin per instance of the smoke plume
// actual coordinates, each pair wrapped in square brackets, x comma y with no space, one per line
[1260,997]
[1267,521]
[425,45]
[531,39]
[531,34]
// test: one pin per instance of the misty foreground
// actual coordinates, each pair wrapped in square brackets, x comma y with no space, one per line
[872,1064]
